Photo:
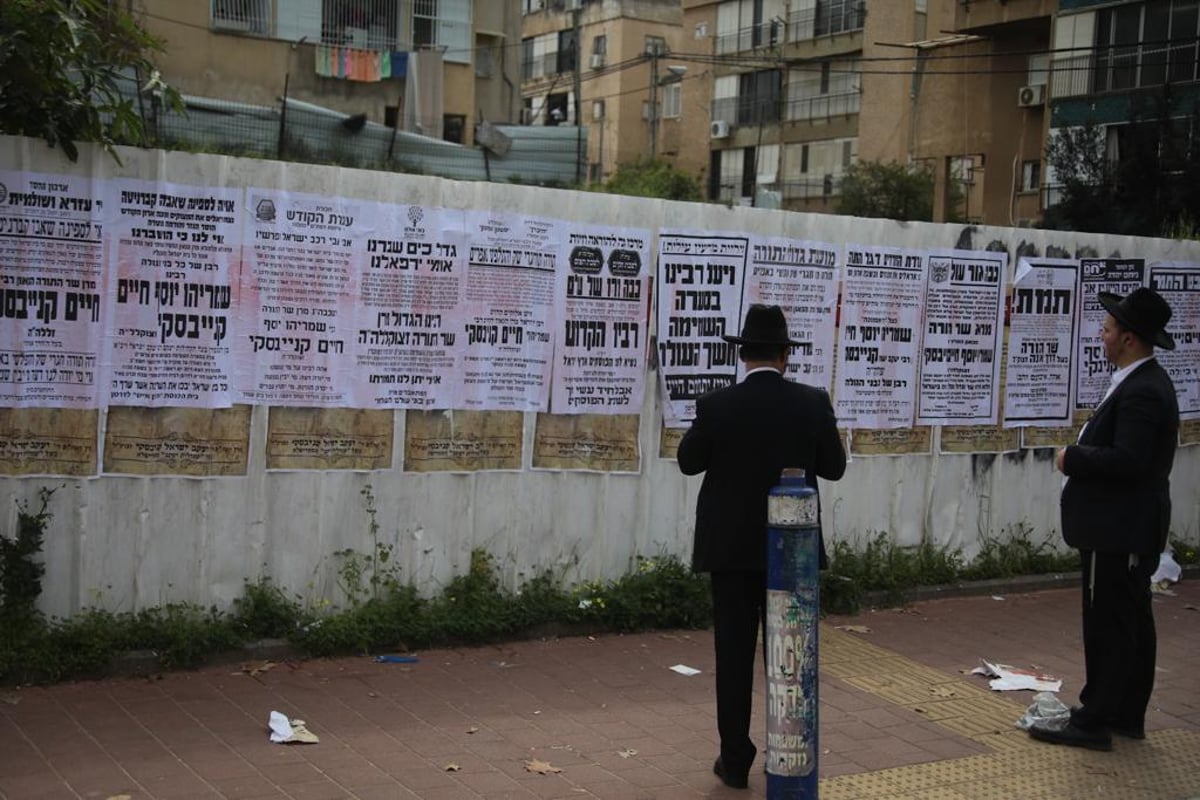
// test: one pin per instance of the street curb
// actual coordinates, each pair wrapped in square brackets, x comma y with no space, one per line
[144,663]
[995,586]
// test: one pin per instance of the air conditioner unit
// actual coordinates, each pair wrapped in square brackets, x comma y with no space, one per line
[1029,96]
[718,129]
[597,60]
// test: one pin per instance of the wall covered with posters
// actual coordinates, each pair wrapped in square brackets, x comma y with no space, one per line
[233,368]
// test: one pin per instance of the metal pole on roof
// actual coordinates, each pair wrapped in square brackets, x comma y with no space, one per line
[575,13]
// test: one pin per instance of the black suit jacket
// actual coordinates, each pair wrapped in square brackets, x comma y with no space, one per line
[743,437]
[1118,495]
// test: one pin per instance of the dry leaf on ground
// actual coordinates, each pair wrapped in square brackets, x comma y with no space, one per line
[540,767]
[253,668]
[451,767]
[627,752]
[473,729]
[853,628]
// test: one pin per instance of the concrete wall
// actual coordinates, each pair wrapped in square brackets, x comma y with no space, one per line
[131,542]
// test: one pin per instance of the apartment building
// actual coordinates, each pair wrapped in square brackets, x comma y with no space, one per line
[354,56]
[1124,66]
[608,65]
[801,89]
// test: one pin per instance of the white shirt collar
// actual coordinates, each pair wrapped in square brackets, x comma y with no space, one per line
[1123,373]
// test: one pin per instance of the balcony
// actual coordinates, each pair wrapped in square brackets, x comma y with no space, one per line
[812,188]
[971,17]
[768,34]
[746,110]
[823,106]
[1115,69]
[827,19]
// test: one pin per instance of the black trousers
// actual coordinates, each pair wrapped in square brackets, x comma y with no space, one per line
[1119,641]
[739,610]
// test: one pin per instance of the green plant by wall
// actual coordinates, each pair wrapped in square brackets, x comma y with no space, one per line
[20,571]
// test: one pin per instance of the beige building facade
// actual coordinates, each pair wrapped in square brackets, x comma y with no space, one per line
[616,58]
[798,90]
[352,56]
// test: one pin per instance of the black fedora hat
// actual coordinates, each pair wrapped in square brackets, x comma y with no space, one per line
[763,325]
[1142,311]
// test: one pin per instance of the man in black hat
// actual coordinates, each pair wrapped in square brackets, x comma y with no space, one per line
[1116,508]
[742,438]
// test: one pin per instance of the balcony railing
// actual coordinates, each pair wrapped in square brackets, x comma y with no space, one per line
[828,18]
[823,106]
[746,110]
[244,16]
[768,34]
[1120,68]
[812,188]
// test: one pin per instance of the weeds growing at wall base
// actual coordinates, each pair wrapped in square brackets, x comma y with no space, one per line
[384,614]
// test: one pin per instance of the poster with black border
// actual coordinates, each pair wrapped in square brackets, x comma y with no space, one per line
[1042,329]
[699,300]
[1179,285]
[1119,276]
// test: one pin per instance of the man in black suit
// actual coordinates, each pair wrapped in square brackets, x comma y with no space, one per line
[742,438]
[1116,508]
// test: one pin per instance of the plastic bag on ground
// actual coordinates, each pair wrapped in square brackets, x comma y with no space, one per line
[1046,711]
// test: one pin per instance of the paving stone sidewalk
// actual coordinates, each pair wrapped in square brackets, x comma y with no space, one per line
[605,717]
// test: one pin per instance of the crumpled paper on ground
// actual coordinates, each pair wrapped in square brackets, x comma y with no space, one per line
[1046,711]
[1006,678]
[1168,570]
[290,731]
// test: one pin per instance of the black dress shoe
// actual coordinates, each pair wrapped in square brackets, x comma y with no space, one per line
[729,779]
[1068,734]
[1129,731]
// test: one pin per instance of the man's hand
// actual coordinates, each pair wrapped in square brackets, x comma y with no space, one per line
[1059,457]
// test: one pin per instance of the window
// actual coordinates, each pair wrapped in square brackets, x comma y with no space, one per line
[1031,176]
[566,51]
[758,97]
[530,6]
[527,60]
[453,126]
[672,105]
[445,24]
[597,109]
[656,45]
[484,62]
[838,16]
[1145,44]
[804,158]
[243,16]
[600,45]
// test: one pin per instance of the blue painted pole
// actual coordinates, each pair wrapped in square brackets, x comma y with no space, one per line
[793,608]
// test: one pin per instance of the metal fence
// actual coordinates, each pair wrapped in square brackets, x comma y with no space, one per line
[303,132]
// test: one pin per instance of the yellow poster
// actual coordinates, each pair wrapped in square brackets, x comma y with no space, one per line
[48,441]
[979,439]
[329,438]
[668,441]
[197,442]
[892,441]
[462,441]
[599,442]
[1189,431]
[1060,436]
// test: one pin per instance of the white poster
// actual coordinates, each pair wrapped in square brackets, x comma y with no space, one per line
[1179,284]
[1041,335]
[409,339]
[173,251]
[513,304]
[600,365]
[962,337]
[800,277]
[51,279]
[1119,276]
[297,297]
[700,277]
[883,297]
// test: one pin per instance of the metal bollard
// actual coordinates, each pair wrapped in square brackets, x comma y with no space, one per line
[793,609]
